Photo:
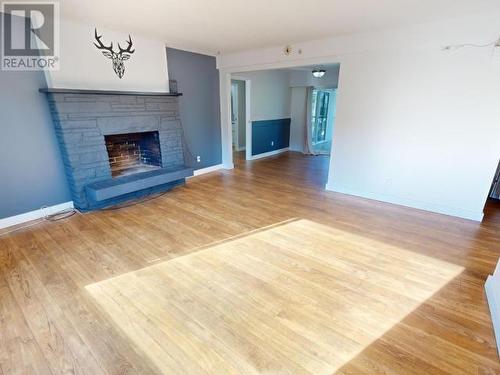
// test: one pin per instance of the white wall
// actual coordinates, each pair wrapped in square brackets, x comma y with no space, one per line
[415,125]
[417,131]
[83,66]
[299,118]
[270,99]
[492,288]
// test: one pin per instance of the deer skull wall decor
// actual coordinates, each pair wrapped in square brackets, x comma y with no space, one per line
[119,57]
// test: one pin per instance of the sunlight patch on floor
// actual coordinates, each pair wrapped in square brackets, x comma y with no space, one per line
[299,298]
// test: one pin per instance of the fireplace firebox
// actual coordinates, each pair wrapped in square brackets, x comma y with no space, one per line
[133,153]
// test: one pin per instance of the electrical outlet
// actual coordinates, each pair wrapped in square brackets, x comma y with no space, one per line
[272,143]
[198,159]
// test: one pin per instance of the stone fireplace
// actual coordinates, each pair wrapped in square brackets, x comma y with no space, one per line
[118,145]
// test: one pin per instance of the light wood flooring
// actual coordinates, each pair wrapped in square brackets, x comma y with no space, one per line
[257,270]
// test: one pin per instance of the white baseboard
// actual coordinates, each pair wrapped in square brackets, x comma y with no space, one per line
[297,149]
[213,168]
[439,209]
[492,288]
[241,148]
[34,215]
[270,153]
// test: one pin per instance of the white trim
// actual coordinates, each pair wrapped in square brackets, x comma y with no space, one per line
[248,116]
[270,153]
[492,288]
[444,210]
[243,148]
[225,118]
[213,168]
[248,119]
[319,60]
[34,215]
[235,110]
[271,118]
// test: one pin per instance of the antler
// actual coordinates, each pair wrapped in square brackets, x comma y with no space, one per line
[128,49]
[100,45]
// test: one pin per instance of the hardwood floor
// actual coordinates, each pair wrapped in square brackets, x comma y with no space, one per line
[255,270]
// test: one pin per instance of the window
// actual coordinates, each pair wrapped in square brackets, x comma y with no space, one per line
[320,104]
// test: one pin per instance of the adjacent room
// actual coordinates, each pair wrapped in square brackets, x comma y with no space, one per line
[232,187]
[287,112]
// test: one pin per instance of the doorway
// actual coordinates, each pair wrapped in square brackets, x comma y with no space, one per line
[492,206]
[238,115]
[291,114]
[495,187]
[322,118]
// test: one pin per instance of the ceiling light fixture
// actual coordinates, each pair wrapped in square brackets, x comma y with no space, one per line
[318,73]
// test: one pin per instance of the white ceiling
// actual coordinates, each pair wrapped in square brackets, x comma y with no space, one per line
[233,25]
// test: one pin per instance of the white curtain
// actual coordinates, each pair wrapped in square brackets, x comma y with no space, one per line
[308,146]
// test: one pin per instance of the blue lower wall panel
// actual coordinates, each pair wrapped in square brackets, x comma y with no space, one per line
[270,135]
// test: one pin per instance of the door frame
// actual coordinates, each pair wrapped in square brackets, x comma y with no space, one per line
[225,76]
[234,100]
[248,114]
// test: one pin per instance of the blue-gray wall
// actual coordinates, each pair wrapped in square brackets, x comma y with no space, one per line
[198,80]
[270,135]
[31,169]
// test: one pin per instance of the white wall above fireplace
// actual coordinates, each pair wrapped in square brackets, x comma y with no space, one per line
[82,65]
